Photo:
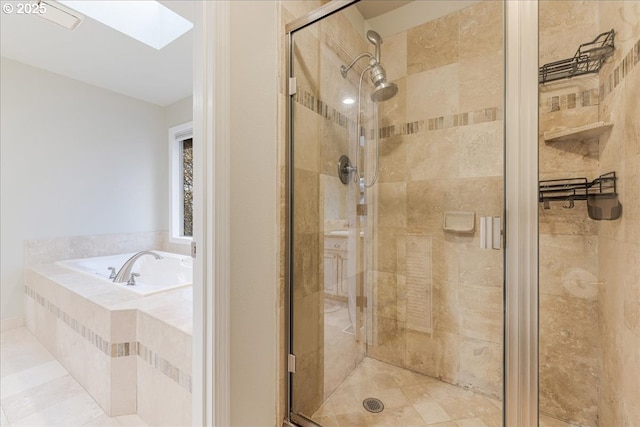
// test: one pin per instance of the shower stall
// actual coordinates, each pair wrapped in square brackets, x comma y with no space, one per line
[396,180]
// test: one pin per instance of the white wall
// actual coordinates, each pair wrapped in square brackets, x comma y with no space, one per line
[75,160]
[254,230]
[179,112]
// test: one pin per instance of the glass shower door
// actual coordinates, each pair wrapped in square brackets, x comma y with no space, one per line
[327,308]
[397,215]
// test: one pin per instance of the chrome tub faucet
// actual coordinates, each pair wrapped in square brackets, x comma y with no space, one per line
[124,275]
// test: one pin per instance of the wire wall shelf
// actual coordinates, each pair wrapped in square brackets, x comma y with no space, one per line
[588,59]
[601,195]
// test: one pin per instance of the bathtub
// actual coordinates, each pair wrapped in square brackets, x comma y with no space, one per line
[156,275]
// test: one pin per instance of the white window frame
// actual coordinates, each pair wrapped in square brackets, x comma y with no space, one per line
[177,134]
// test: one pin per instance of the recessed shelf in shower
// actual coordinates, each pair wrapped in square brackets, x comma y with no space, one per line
[580,133]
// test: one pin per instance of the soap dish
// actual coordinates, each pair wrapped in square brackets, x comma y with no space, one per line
[459,222]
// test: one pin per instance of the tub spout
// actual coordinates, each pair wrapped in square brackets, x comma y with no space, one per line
[125,271]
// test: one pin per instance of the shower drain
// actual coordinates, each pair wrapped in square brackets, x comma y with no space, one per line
[373,405]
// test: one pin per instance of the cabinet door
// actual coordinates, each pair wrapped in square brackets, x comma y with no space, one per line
[330,273]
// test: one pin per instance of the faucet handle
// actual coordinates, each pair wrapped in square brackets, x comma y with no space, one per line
[113,272]
[132,279]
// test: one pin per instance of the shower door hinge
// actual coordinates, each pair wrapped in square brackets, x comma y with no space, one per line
[193,249]
[291,363]
[293,86]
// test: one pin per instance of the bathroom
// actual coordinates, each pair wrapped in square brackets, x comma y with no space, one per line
[96,114]
[586,378]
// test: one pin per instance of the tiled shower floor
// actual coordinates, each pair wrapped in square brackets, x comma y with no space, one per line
[410,400]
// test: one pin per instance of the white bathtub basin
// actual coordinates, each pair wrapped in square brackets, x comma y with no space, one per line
[156,275]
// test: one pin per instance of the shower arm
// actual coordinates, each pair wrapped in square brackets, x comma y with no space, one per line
[344,69]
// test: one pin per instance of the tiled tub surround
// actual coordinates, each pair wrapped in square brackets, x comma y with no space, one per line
[131,353]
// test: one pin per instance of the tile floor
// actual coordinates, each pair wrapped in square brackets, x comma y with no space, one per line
[36,390]
[411,400]
[342,352]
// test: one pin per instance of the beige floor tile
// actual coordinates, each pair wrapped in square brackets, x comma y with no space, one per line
[352,420]
[74,411]
[41,397]
[471,406]
[32,377]
[471,422]
[131,421]
[19,351]
[40,392]
[4,421]
[327,421]
[431,412]
[547,421]
[103,421]
[416,394]
[405,416]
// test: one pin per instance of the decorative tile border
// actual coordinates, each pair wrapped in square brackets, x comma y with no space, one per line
[161,364]
[438,123]
[618,74]
[570,101]
[114,350]
[310,101]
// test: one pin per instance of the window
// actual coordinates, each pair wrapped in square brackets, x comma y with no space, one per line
[181,185]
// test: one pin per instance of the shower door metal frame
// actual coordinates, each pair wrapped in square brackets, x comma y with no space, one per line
[520,364]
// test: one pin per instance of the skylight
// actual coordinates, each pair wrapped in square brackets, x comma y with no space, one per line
[147,21]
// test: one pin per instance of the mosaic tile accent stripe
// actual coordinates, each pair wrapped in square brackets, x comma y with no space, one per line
[618,74]
[159,363]
[310,101]
[438,123]
[91,336]
[114,350]
[570,101]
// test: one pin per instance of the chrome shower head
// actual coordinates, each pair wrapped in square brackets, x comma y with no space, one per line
[383,90]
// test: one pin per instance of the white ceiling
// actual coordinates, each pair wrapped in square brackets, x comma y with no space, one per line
[98,55]
[371,9]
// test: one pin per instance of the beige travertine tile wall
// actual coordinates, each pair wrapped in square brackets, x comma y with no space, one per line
[619,248]
[589,280]
[441,150]
[569,338]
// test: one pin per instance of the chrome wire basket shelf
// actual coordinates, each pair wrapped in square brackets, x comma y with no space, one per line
[588,59]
